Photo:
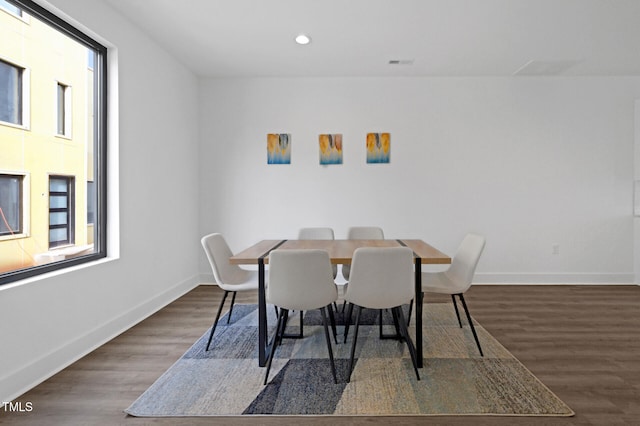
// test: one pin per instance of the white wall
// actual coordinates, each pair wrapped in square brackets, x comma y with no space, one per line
[529,162]
[636,219]
[47,323]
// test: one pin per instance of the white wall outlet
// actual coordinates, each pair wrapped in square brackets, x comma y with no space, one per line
[555,249]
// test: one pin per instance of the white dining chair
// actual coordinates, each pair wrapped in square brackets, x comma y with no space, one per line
[230,278]
[361,233]
[382,278]
[300,280]
[457,279]
[318,233]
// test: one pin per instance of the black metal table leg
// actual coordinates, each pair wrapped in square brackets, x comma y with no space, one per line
[418,299]
[262,316]
[263,343]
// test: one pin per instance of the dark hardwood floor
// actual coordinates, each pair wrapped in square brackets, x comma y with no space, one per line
[583,342]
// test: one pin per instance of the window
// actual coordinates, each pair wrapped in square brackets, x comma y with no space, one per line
[10,205]
[52,192]
[91,202]
[10,93]
[61,211]
[10,8]
[63,109]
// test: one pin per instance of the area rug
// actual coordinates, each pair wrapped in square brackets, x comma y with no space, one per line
[455,379]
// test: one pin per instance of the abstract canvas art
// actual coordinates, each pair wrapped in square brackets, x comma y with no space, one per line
[278,148]
[330,148]
[378,147]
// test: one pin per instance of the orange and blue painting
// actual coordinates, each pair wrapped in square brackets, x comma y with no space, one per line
[278,148]
[378,147]
[330,148]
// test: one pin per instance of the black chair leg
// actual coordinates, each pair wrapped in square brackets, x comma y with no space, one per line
[284,327]
[395,322]
[326,334]
[395,336]
[348,321]
[407,338]
[355,338]
[332,318]
[215,322]
[410,311]
[274,342]
[455,305]
[473,329]
[233,300]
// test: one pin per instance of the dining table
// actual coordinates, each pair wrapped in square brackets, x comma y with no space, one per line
[340,252]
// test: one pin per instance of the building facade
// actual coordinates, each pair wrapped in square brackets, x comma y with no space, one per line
[47,193]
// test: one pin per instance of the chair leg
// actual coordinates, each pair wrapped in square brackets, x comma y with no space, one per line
[326,334]
[332,318]
[395,322]
[284,327]
[233,300]
[455,305]
[274,343]
[473,329]
[407,338]
[355,338]
[215,322]
[348,321]
[410,310]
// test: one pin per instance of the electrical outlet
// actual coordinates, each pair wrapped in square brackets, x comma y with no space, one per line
[555,249]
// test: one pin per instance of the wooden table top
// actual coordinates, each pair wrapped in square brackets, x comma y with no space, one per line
[340,251]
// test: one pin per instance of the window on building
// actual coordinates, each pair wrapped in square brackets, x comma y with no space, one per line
[63,109]
[10,93]
[61,211]
[11,8]
[91,202]
[10,204]
[52,192]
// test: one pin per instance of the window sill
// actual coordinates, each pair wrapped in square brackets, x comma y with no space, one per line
[59,272]
[13,237]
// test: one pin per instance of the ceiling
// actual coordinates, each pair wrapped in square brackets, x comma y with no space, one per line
[222,38]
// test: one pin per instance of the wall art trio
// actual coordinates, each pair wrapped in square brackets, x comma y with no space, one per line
[378,148]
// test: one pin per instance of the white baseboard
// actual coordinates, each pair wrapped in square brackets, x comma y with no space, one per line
[49,363]
[555,279]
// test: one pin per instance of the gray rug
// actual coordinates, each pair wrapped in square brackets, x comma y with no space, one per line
[455,379]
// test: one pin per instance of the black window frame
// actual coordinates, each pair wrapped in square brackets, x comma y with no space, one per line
[100,142]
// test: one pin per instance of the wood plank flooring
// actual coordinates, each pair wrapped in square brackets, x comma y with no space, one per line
[583,342]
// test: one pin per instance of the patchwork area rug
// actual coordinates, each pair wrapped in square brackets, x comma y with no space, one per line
[455,379]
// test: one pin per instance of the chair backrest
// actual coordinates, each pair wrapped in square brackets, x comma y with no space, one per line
[300,279]
[381,277]
[218,253]
[365,233]
[464,262]
[361,233]
[315,234]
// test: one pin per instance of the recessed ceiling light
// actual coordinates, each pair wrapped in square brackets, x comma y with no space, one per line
[303,39]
